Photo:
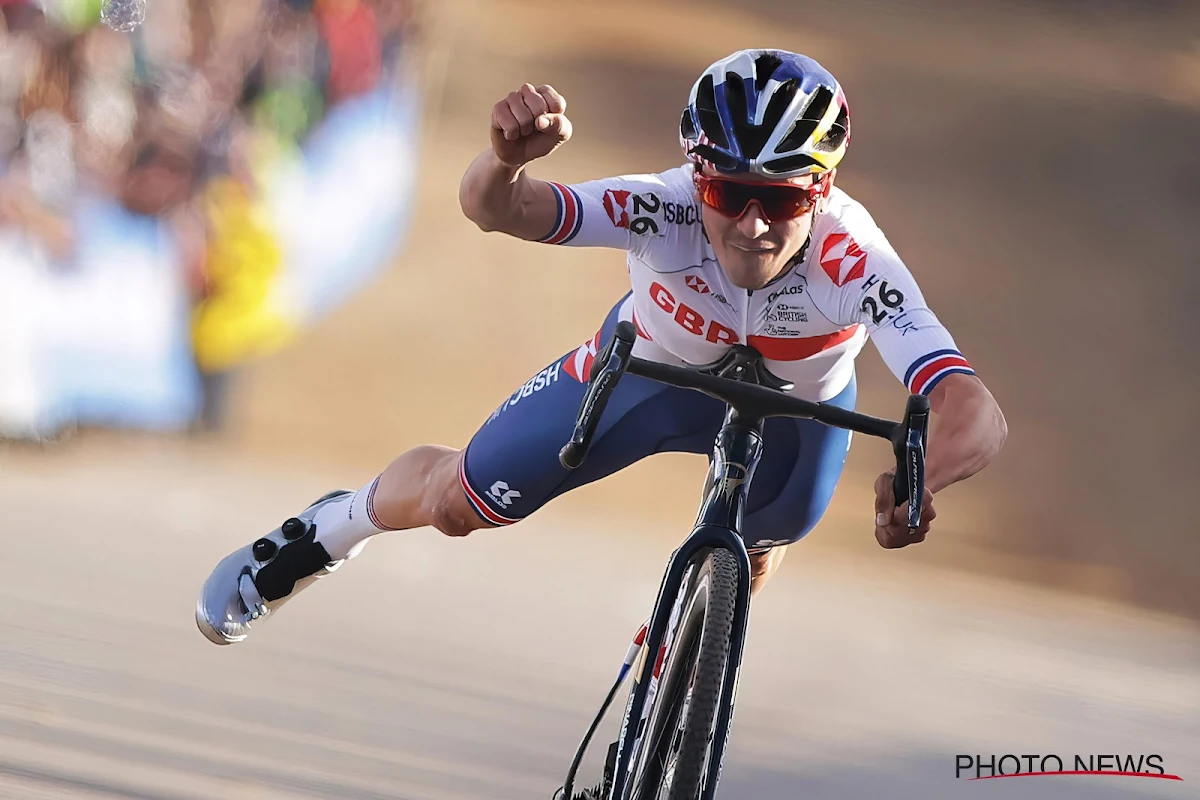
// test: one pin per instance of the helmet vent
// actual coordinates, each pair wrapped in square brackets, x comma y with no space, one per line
[753,138]
[706,107]
[720,160]
[687,126]
[735,100]
[790,164]
[804,127]
[836,135]
[764,67]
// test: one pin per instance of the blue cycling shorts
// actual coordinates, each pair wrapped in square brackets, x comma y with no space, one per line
[511,466]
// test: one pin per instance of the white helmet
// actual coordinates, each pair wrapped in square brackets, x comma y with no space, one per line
[771,112]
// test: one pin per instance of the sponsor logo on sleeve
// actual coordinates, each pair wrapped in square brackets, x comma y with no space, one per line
[842,259]
[634,212]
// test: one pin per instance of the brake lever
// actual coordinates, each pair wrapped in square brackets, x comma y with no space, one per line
[909,446]
[607,370]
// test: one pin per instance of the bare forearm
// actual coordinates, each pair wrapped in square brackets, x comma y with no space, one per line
[968,431]
[491,192]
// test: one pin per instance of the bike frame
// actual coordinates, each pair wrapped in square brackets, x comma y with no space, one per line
[735,456]
[751,394]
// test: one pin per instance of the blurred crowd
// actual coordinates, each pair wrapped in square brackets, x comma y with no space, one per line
[182,122]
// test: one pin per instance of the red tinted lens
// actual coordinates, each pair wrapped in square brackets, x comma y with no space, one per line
[778,202]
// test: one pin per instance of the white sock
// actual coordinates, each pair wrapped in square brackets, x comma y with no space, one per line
[345,524]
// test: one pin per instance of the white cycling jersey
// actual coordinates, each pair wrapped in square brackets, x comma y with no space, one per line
[809,324]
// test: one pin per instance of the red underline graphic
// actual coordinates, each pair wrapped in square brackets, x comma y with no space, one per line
[1078,772]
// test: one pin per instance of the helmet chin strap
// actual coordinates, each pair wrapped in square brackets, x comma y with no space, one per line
[799,255]
[791,262]
[825,187]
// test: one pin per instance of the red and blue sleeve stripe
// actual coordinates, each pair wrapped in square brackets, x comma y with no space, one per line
[929,370]
[570,215]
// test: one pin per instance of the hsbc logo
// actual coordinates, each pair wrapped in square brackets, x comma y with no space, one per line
[616,205]
[700,286]
[842,259]
[545,378]
[579,364]
[633,212]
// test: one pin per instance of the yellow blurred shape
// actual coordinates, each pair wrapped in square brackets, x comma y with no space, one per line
[237,321]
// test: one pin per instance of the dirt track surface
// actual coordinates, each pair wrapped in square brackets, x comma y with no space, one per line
[435,668]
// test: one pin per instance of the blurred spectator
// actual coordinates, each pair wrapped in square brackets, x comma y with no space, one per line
[106,107]
[287,97]
[38,182]
[351,37]
[196,124]
[233,320]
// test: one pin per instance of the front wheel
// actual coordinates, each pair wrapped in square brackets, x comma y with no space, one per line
[676,749]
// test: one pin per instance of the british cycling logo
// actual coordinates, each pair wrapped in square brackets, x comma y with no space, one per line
[979,767]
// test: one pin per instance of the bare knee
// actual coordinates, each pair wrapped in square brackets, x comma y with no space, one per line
[452,514]
[447,507]
[422,488]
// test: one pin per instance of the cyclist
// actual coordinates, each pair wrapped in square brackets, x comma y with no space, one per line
[748,241]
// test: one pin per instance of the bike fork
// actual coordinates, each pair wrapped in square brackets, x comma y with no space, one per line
[705,536]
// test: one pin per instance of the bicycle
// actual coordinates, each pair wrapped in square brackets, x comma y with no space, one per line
[674,749]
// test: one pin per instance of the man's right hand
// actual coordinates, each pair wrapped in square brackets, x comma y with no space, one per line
[530,123]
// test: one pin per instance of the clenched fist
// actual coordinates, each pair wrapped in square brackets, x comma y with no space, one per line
[530,123]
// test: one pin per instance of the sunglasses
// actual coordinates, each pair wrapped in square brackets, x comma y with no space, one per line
[778,202]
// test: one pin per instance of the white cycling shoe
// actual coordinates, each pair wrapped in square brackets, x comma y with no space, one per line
[253,582]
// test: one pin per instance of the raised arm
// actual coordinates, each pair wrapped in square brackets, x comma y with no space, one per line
[495,193]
